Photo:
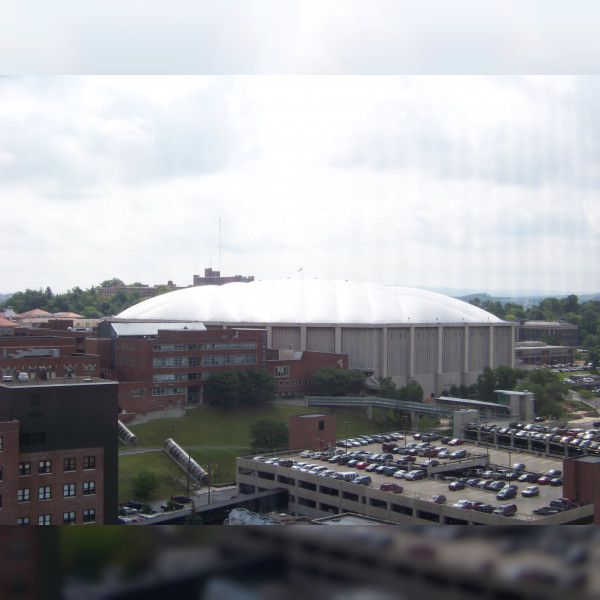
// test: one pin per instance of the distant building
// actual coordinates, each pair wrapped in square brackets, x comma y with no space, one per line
[312,431]
[561,332]
[534,354]
[145,291]
[214,278]
[58,459]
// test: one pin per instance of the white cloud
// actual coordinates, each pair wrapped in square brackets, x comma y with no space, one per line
[465,182]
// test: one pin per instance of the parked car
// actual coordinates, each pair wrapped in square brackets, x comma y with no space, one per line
[459,454]
[456,485]
[506,494]
[400,474]
[438,499]
[456,442]
[530,491]
[545,511]
[556,481]
[181,499]
[389,471]
[135,504]
[391,487]
[362,465]
[362,480]
[544,480]
[485,508]
[415,474]
[506,511]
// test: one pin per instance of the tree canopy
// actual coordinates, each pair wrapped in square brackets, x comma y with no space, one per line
[227,389]
[337,382]
[268,434]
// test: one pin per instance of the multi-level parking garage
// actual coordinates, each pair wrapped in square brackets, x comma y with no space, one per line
[403,333]
[314,495]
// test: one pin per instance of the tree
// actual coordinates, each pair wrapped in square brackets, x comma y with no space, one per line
[413,392]
[268,434]
[507,377]
[487,382]
[114,282]
[223,389]
[144,483]
[388,389]
[337,382]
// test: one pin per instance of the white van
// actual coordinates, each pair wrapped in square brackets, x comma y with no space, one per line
[23,376]
[348,476]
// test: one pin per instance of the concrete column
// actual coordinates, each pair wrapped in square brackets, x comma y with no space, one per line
[269,336]
[414,420]
[302,337]
[338,340]
[382,414]
[466,357]
[370,412]
[411,354]
[384,352]
[491,350]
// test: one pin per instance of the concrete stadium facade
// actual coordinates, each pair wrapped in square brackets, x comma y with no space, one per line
[402,333]
[435,355]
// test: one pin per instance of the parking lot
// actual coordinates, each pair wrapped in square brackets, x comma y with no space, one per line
[478,457]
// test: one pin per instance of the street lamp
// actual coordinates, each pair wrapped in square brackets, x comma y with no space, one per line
[346,423]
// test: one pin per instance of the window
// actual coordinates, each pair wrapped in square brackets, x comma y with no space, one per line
[69,518]
[45,467]
[23,521]
[89,462]
[1,443]
[0,473]
[282,371]
[44,520]
[89,515]
[68,489]
[23,495]
[321,425]
[44,493]
[69,464]
[89,488]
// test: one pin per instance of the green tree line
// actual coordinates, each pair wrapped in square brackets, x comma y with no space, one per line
[88,303]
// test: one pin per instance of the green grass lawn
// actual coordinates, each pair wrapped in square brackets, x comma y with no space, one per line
[211,426]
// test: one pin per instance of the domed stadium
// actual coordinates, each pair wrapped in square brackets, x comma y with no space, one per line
[397,332]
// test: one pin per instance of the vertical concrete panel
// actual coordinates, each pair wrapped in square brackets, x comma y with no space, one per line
[320,339]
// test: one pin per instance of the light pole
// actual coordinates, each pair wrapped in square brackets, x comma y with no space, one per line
[346,423]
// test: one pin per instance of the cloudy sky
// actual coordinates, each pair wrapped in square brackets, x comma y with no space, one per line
[333,157]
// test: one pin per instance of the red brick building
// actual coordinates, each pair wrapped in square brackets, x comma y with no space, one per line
[51,347]
[581,482]
[161,365]
[58,452]
[314,431]
[293,369]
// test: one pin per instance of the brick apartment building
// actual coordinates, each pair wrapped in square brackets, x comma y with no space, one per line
[58,451]
[160,365]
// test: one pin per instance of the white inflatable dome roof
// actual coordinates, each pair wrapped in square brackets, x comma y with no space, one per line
[307,301]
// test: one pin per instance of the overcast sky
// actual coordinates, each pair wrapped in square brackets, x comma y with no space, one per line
[485,183]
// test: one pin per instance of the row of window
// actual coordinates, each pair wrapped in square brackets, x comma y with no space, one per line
[170,362]
[45,492]
[89,516]
[213,346]
[125,360]
[166,377]
[292,382]
[174,391]
[45,466]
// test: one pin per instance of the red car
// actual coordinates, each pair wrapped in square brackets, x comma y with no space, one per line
[544,480]
[391,487]
[362,465]
[456,442]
